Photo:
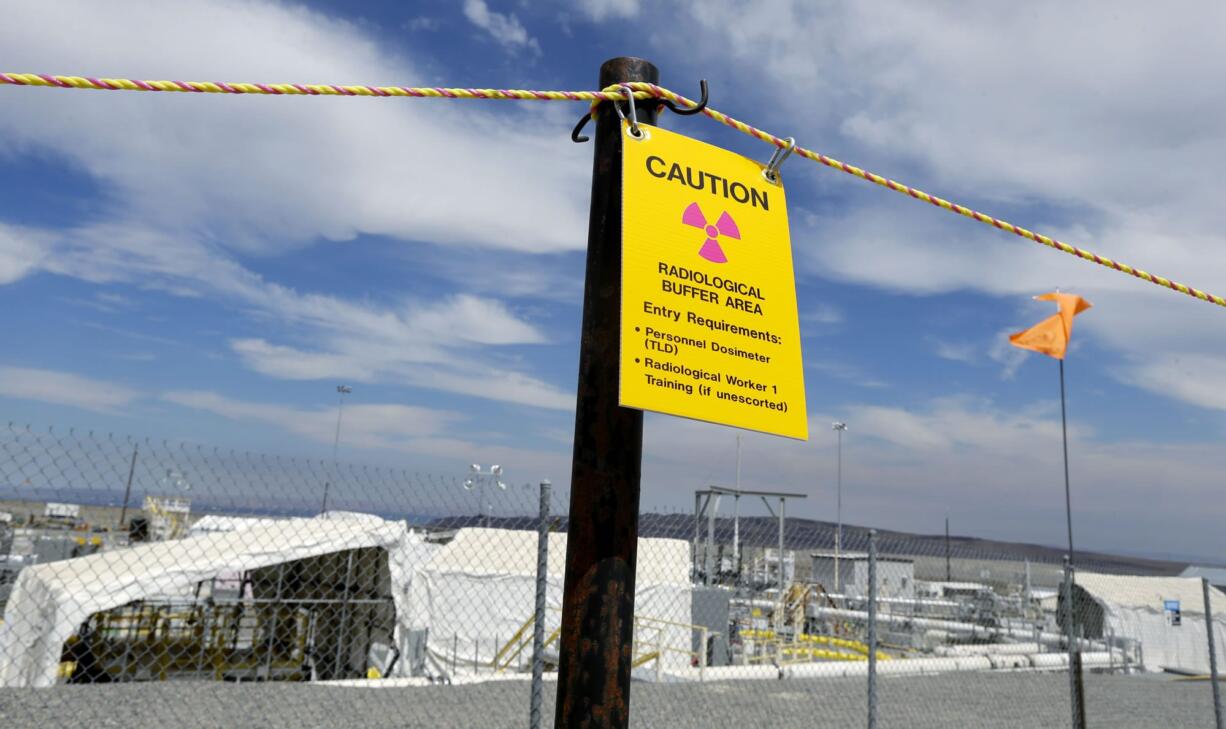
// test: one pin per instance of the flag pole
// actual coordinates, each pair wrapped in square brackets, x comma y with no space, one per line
[1077,687]
[1068,502]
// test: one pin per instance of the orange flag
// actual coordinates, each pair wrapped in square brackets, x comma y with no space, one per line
[1050,336]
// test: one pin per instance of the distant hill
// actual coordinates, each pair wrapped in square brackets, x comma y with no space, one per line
[814,535]
[756,531]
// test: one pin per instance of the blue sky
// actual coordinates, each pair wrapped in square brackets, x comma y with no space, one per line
[209,268]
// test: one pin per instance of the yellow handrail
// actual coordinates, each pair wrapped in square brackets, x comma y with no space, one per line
[645,658]
[515,646]
[770,637]
[516,640]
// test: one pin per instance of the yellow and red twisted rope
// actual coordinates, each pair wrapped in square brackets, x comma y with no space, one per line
[641,91]
[933,199]
[220,87]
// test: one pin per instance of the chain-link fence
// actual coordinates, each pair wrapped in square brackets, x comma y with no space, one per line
[147,583]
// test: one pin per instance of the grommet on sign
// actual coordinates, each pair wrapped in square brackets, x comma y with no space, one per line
[771,173]
[634,119]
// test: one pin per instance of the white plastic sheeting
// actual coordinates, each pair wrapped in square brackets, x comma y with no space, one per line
[477,591]
[214,523]
[49,601]
[1133,608]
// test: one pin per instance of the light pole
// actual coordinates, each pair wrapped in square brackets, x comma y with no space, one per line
[736,516]
[478,479]
[838,428]
[341,392]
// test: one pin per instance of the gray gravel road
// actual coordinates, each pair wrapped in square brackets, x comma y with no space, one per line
[951,700]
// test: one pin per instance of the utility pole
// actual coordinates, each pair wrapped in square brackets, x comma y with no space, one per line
[341,392]
[839,428]
[736,516]
[602,538]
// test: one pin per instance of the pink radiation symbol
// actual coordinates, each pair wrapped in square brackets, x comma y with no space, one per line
[725,226]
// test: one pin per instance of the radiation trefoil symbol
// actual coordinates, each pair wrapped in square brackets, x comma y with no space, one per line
[725,226]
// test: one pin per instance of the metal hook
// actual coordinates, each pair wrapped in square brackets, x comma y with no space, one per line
[771,173]
[687,110]
[634,119]
[577,137]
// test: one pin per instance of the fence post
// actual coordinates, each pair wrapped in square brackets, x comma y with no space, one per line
[607,461]
[1217,691]
[659,652]
[782,577]
[341,646]
[272,629]
[702,656]
[538,620]
[872,629]
[127,490]
[1076,694]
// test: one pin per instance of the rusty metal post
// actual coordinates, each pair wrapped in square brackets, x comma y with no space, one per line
[602,537]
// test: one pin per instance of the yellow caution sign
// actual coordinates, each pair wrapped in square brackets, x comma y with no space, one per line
[709,323]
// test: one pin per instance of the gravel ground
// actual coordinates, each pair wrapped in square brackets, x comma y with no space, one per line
[950,700]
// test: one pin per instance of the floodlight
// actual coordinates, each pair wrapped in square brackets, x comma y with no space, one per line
[468,484]
[495,470]
[475,468]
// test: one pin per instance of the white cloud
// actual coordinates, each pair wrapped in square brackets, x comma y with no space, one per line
[366,425]
[955,351]
[823,313]
[502,27]
[604,9]
[265,173]
[423,22]
[957,423]
[211,178]
[1102,140]
[841,370]
[1194,378]
[365,361]
[64,388]
[477,320]
[19,253]
[998,471]
[1005,354]
[288,363]
[395,428]
[436,344]
[133,254]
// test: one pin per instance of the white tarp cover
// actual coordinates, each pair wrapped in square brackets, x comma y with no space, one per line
[213,523]
[49,601]
[1133,608]
[480,588]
